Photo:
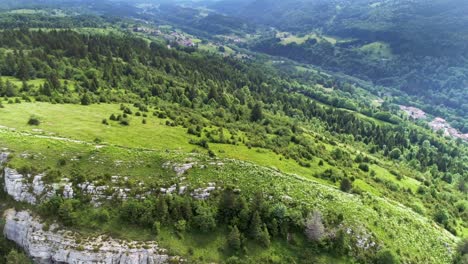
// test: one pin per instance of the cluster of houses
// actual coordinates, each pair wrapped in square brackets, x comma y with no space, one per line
[436,124]
[413,112]
[441,124]
[172,37]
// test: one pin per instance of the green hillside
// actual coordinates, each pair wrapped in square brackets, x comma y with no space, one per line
[298,167]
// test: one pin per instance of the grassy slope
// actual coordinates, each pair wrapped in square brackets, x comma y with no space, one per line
[395,225]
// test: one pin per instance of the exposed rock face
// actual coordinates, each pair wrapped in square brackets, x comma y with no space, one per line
[61,246]
[21,189]
[3,157]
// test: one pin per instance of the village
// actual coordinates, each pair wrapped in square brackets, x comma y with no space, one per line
[438,124]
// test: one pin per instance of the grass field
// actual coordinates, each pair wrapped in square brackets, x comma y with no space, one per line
[288,38]
[377,50]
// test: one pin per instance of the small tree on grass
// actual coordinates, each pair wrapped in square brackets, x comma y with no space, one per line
[346,185]
[364,167]
[125,122]
[34,121]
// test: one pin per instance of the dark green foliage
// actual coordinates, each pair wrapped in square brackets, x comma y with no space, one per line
[441,216]
[205,218]
[386,257]
[364,167]
[85,99]
[257,113]
[34,121]
[395,153]
[234,240]
[124,122]
[345,185]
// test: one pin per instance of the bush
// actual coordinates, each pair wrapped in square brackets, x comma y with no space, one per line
[104,122]
[364,167]
[157,228]
[34,121]
[386,257]
[345,185]
[124,122]
[181,225]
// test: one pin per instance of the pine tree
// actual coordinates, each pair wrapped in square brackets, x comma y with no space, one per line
[257,113]
[256,226]
[234,241]
[264,238]
[162,210]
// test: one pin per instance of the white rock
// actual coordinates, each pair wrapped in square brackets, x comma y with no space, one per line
[4,157]
[18,188]
[59,246]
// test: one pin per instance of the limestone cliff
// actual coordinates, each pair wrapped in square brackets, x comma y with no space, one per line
[47,245]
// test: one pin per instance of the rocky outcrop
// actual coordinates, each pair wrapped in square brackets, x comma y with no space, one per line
[3,157]
[27,188]
[47,245]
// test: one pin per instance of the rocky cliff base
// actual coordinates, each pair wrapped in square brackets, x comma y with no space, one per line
[50,244]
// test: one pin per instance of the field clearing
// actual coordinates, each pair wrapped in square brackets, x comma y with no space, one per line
[288,38]
[377,50]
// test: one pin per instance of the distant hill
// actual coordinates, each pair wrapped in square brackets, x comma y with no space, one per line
[424,43]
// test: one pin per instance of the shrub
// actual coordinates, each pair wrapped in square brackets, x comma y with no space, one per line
[157,228]
[364,167]
[113,117]
[181,225]
[386,257]
[143,121]
[124,122]
[62,162]
[345,185]
[34,121]
[104,122]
